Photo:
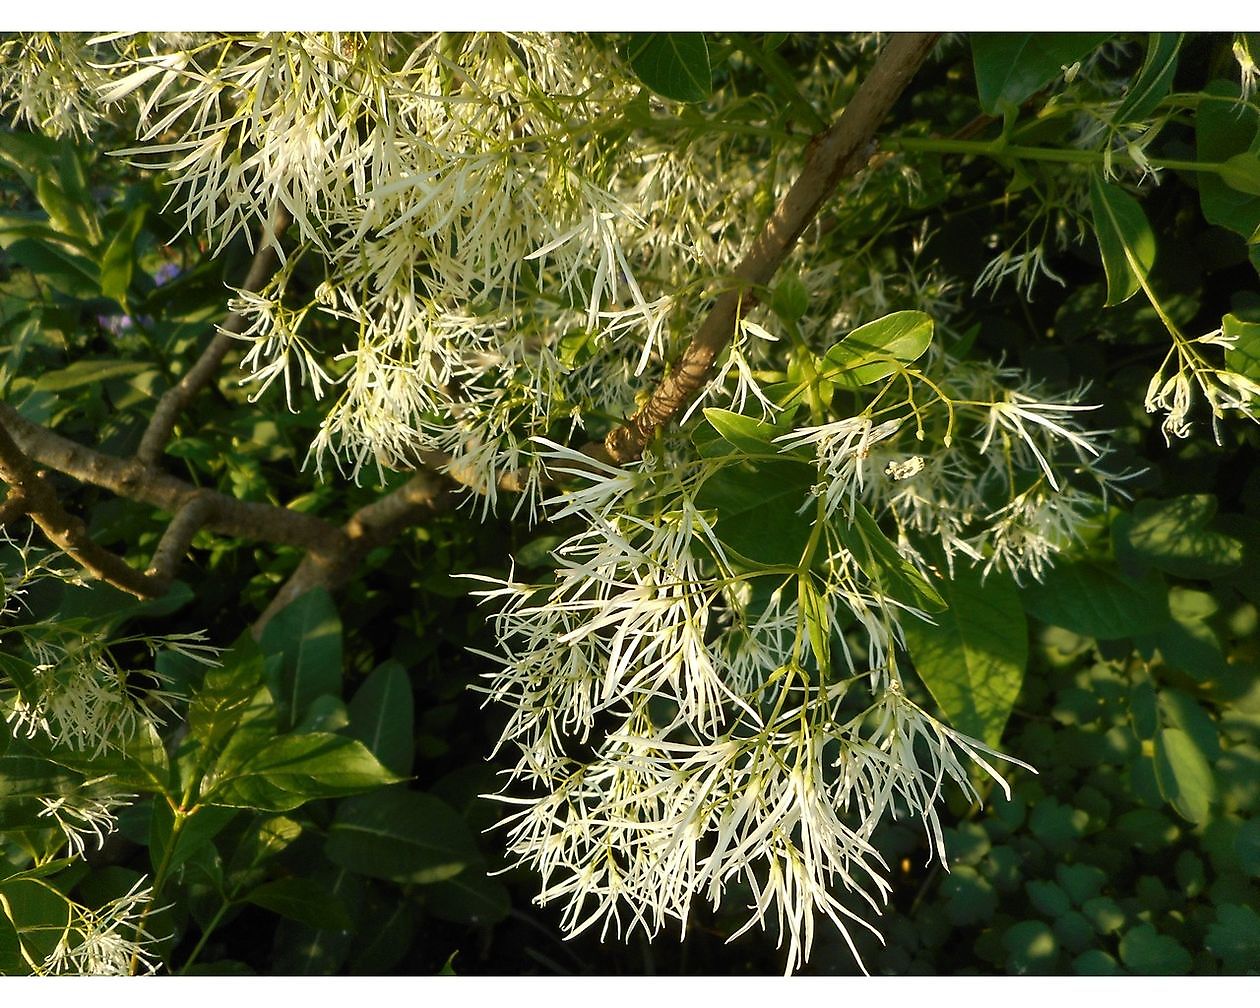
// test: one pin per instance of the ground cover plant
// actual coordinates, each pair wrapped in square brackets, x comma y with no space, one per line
[506,503]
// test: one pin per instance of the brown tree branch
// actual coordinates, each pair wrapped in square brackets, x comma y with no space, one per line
[176,399]
[131,479]
[192,515]
[837,153]
[32,493]
[332,552]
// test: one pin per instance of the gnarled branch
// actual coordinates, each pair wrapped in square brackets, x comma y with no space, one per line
[135,481]
[31,493]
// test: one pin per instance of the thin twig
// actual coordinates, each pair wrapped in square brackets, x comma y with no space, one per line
[176,399]
[30,490]
[841,151]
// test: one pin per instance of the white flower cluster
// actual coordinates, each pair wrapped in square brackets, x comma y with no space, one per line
[108,941]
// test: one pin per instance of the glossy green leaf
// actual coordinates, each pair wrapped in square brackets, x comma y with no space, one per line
[1125,239]
[68,272]
[405,836]
[972,659]
[303,900]
[88,372]
[1184,775]
[1242,172]
[119,259]
[1097,601]
[673,64]
[382,717]
[790,299]
[1012,67]
[225,695]
[1031,948]
[757,505]
[38,912]
[291,770]
[1175,536]
[1145,951]
[1154,80]
[307,634]
[817,621]
[29,154]
[749,435]
[66,214]
[1224,129]
[880,561]
[873,351]
[1244,355]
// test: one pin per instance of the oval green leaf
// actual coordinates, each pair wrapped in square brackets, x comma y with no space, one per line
[972,659]
[673,64]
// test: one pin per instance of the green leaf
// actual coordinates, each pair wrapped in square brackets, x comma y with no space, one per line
[749,435]
[1144,950]
[88,372]
[39,914]
[1012,67]
[404,836]
[757,505]
[973,659]
[1184,775]
[1244,355]
[293,769]
[1125,239]
[873,351]
[307,634]
[790,299]
[73,275]
[1224,129]
[673,64]
[303,900]
[1235,938]
[1097,601]
[1154,80]
[225,695]
[29,154]
[66,215]
[382,717]
[1247,847]
[880,561]
[1031,948]
[817,621]
[1242,172]
[119,258]
[1175,536]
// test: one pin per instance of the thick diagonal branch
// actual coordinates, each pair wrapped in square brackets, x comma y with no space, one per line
[31,493]
[176,399]
[841,151]
[129,478]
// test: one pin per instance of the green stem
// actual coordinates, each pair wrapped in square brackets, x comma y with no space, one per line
[159,880]
[205,935]
[998,150]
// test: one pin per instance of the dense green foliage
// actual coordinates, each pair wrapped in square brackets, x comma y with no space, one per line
[311,801]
